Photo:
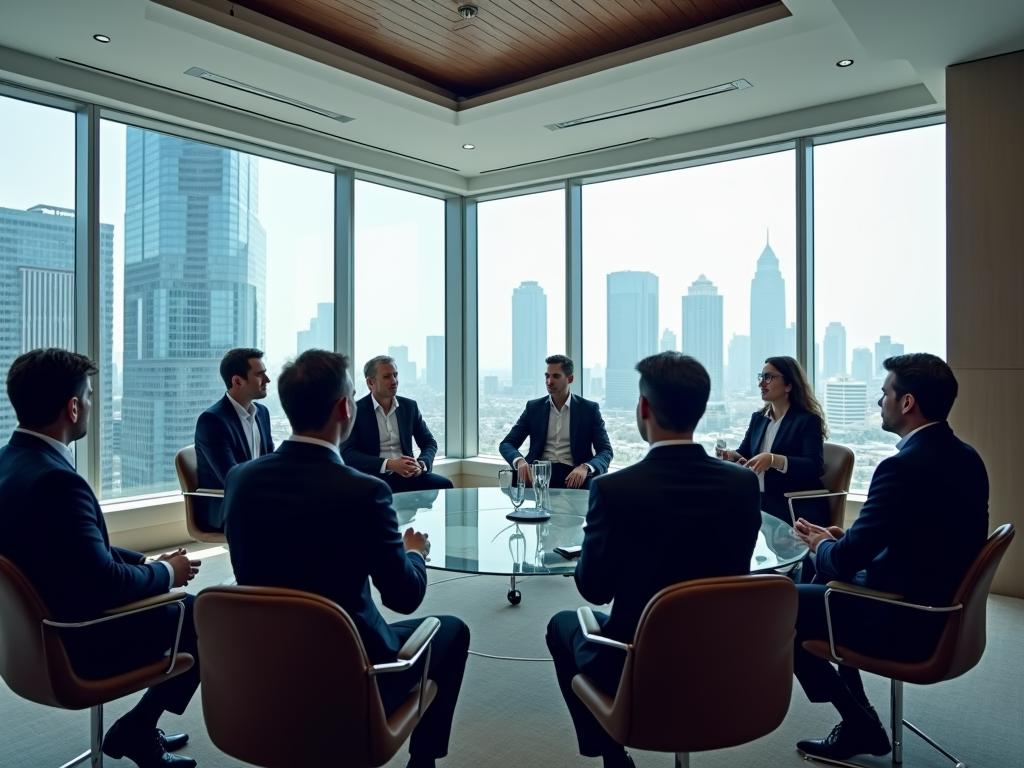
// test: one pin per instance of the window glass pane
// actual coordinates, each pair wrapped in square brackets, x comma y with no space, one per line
[879,275]
[37,236]
[199,233]
[399,306]
[700,260]
[521,298]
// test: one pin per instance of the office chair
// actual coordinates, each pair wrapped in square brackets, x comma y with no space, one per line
[838,475]
[188,478]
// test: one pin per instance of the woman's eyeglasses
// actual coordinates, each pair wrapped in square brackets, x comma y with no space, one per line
[767,377]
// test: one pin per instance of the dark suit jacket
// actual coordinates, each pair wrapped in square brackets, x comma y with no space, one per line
[588,439]
[349,512]
[52,528]
[220,445]
[677,515]
[924,522]
[799,440]
[362,449]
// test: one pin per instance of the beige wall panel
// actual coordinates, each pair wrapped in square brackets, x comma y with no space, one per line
[989,414]
[985,213]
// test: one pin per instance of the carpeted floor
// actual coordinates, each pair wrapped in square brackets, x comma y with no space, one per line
[510,712]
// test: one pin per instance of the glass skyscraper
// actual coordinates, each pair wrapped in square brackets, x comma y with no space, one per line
[703,337]
[632,333]
[435,363]
[529,339]
[767,312]
[194,287]
[834,351]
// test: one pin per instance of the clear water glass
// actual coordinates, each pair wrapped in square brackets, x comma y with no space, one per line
[516,491]
[541,482]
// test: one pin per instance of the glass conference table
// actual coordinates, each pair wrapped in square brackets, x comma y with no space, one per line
[469,534]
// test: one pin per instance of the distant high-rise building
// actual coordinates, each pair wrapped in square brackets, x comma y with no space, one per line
[885,348]
[529,338]
[320,334]
[702,332]
[739,362]
[668,341]
[401,356]
[491,386]
[767,312]
[790,346]
[632,333]
[194,287]
[834,350]
[845,404]
[37,304]
[862,368]
[435,363]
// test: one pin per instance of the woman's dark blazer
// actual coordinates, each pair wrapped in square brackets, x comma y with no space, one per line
[799,440]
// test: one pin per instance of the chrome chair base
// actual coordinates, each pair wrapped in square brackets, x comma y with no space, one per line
[95,754]
[682,760]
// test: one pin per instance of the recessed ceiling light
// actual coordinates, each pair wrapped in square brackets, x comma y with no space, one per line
[469,146]
[101,38]
[845,63]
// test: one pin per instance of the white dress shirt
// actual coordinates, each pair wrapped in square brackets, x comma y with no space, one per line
[766,446]
[250,428]
[662,443]
[387,433]
[315,441]
[911,433]
[67,454]
[556,444]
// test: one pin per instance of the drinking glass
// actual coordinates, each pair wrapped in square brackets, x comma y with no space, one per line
[720,446]
[516,491]
[541,482]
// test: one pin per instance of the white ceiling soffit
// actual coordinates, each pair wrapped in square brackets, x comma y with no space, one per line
[899,47]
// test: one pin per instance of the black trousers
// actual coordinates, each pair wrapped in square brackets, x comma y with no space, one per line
[428,481]
[573,654]
[449,651]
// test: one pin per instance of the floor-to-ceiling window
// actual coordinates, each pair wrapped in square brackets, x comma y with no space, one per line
[701,260]
[521,301]
[879,274]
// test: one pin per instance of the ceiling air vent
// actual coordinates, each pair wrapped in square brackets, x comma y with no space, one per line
[214,78]
[735,85]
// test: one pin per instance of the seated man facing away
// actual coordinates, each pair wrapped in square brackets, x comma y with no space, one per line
[381,442]
[52,529]
[306,482]
[675,496]
[564,429]
[917,534]
[232,430]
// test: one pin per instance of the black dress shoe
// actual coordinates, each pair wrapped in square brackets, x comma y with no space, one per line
[145,748]
[174,742]
[845,741]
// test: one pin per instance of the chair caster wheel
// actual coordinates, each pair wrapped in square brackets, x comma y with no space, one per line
[515,596]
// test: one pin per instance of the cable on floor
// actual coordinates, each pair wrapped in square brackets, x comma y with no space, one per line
[508,658]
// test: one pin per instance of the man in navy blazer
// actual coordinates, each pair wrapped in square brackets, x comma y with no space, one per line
[52,529]
[564,429]
[306,479]
[232,430]
[387,425]
[679,498]
[916,536]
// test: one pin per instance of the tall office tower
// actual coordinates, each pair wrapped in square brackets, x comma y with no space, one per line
[790,345]
[845,404]
[668,341]
[435,363]
[862,369]
[320,334]
[885,348]
[194,287]
[739,363]
[37,304]
[632,333]
[529,339]
[767,312]
[702,332]
[401,355]
[834,349]
[491,385]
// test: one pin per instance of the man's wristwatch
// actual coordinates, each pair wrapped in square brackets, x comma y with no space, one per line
[590,470]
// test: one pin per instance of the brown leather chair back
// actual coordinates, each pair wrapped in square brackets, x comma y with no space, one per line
[712,665]
[187,466]
[285,681]
[838,476]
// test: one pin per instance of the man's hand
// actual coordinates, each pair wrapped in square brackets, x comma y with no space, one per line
[525,474]
[422,465]
[577,477]
[405,466]
[812,535]
[416,542]
[184,569]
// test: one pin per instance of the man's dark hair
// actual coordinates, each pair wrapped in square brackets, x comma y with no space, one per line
[370,369]
[41,382]
[567,364]
[236,363]
[310,385]
[677,387]
[928,378]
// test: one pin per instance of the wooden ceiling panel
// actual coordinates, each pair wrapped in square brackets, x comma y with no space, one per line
[507,42]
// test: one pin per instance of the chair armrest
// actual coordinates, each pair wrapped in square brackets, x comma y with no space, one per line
[592,630]
[410,653]
[213,493]
[813,494]
[146,602]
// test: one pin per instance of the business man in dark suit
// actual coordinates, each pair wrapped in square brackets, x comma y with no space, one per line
[564,429]
[306,480]
[387,425]
[917,534]
[646,513]
[234,429]
[52,528]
